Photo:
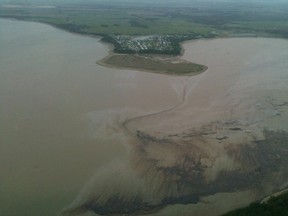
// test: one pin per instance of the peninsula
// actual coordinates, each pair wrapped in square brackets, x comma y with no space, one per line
[142,29]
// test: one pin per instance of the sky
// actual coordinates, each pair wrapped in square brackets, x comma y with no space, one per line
[137,1]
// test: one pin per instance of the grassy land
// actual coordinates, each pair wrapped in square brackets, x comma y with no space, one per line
[276,206]
[101,20]
[153,65]
[204,20]
[191,21]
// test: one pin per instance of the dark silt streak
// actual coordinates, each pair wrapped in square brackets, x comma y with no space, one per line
[220,156]
[137,204]
[184,182]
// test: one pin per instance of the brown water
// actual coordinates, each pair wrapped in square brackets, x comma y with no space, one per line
[57,114]
[68,125]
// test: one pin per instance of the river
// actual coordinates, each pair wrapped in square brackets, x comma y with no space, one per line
[54,100]
[72,130]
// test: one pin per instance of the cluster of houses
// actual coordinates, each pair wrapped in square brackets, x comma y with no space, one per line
[144,43]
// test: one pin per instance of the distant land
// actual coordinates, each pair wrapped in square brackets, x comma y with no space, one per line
[123,23]
[158,29]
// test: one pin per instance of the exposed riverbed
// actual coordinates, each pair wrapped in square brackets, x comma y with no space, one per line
[78,135]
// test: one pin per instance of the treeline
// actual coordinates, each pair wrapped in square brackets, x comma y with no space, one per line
[174,49]
[73,27]
[117,47]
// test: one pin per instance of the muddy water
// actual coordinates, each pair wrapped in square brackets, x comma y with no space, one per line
[93,139]
[242,94]
[58,111]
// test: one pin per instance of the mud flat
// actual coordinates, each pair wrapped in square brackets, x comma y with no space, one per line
[156,64]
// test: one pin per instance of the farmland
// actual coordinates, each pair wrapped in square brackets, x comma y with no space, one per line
[120,24]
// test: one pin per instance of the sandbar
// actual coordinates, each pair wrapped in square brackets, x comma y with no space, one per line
[157,64]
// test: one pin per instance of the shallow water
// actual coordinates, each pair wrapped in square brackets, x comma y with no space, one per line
[73,131]
[57,111]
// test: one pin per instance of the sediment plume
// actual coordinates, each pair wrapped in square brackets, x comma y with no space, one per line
[161,172]
[217,139]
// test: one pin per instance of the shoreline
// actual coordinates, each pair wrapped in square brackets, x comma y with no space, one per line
[275,194]
[103,62]
[153,59]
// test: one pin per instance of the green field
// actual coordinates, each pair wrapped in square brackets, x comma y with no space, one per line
[194,20]
[202,19]
[101,20]
[197,20]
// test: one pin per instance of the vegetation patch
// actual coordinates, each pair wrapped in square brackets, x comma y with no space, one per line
[152,64]
[192,21]
[276,206]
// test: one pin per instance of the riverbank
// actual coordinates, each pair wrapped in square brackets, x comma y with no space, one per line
[171,65]
[276,194]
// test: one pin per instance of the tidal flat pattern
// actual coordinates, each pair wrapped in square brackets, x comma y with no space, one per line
[81,139]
